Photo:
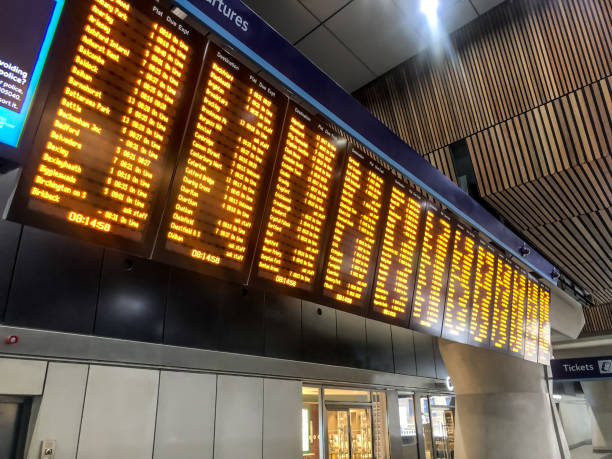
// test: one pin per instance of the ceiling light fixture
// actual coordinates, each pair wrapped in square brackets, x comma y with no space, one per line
[430,9]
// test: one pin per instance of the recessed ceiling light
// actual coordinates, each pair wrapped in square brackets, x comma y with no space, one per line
[430,9]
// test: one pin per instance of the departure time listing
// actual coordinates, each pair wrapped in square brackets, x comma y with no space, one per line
[102,155]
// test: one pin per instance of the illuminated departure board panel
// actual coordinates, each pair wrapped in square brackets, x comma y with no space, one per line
[483,296]
[399,254]
[111,124]
[148,135]
[459,290]
[516,342]
[299,203]
[502,305]
[544,348]
[352,250]
[531,320]
[224,168]
[430,291]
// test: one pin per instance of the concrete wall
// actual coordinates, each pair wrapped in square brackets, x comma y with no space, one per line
[502,405]
[98,411]
[599,397]
[576,420]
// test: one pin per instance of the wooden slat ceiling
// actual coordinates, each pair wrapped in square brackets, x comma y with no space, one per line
[441,160]
[529,86]
[598,320]
[512,59]
[549,172]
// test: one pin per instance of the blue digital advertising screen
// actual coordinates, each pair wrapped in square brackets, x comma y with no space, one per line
[26,31]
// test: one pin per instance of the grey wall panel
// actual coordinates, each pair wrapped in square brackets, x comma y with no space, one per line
[283,326]
[22,377]
[441,372]
[242,312]
[193,317]
[403,351]
[423,346]
[65,273]
[119,413]
[132,302]
[281,422]
[46,344]
[318,333]
[380,348]
[59,413]
[239,415]
[351,341]
[185,416]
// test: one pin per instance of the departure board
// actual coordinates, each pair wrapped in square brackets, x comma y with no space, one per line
[111,124]
[298,206]
[430,291]
[352,250]
[531,320]
[459,291]
[399,254]
[502,305]
[483,296]
[516,342]
[148,137]
[544,347]
[224,168]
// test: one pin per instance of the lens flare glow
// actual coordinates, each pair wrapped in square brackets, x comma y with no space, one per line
[430,9]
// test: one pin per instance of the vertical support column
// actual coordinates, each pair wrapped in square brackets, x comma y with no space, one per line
[599,396]
[418,417]
[503,408]
[395,434]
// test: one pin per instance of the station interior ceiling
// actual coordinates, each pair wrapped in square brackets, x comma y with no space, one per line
[330,32]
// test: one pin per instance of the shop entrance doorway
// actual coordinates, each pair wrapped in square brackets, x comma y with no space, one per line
[349,432]
[427,425]
[342,423]
[438,426]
